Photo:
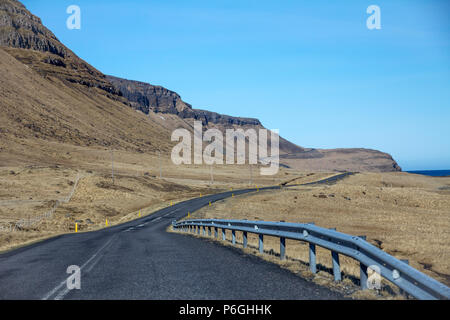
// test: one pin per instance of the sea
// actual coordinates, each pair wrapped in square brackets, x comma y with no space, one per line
[433,173]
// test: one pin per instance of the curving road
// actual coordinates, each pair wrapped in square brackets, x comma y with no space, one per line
[140,260]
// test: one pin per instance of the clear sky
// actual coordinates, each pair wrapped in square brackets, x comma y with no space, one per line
[311,69]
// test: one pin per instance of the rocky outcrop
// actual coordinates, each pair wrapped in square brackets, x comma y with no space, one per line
[147,97]
[21,29]
[23,36]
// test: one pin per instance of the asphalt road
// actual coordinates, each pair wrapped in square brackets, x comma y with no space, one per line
[140,260]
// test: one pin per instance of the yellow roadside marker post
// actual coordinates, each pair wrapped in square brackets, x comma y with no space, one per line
[106,222]
[139,213]
[210,203]
[76,227]
[232,195]
[171,204]
[189,215]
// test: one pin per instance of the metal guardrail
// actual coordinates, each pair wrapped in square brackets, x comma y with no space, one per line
[396,271]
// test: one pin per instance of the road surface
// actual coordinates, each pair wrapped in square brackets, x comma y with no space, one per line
[140,260]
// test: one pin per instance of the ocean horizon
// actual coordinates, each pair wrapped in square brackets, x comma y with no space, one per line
[432,173]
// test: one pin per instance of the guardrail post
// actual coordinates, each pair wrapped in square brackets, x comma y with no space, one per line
[209,231]
[336,264]
[282,248]
[261,243]
[198,229]
[401,290]
[363,276]
[216,232]
[233,232]
[363,271]
[244,236]
[312,258]
[204,230]
[223,234]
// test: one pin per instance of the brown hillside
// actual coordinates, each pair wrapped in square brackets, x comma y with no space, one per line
[49,110]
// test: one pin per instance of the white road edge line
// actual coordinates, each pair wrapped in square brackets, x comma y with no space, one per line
[58,287]
[65,291]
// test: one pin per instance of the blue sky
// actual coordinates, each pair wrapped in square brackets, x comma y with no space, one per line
[311,69]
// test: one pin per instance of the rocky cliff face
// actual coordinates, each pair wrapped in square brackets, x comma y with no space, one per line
[147,97]
[21,29]
[23,36]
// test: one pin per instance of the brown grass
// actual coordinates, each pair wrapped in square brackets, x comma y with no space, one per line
[29,191]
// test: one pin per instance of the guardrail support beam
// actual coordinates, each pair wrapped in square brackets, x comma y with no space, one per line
[261,243]
[363,272]
[336,266]
[312,258]
[216,232]
[282,248]
[209,231]
[402,292]
[234,237]
[198,229]
[363,276]
[223,235]
[204,231]
[244,236]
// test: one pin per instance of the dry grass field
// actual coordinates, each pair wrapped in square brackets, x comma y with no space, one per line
[406,215]
[31,190]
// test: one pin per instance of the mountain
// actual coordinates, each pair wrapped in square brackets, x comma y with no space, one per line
[50,98]
[49,95]
[149,98]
